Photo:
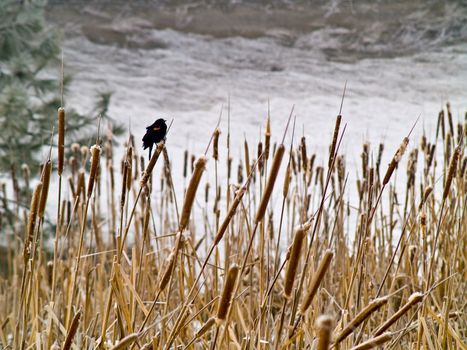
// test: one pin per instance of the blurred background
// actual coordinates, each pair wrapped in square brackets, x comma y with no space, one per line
[135,61]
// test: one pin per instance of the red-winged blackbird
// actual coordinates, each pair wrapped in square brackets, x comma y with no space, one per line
[155,133]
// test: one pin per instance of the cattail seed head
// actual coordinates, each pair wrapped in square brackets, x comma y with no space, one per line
[316,281]
[276,163]
[247,157]
[33,211]
[215,144]
[227,293]
[152,163]
[324,325]
[414,299]
[95,157]
[207,326]
[191,191]
[332,150]
[185,164]
[451,171]
[373,306]
[395,160]
[45,179]
[72,331]
[292,265]
[287,179]
[61,140]
[267,138]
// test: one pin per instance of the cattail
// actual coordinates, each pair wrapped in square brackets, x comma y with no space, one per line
[332,150]
[324,325]
[191,192]
[168,270]
[267,138]
[227,293]
[45,179]
[233,208]
[451,125]
[373,342]
[81,183]
[361,316]
[304,154]
[464,166]
[193,159]
[247,157]
[124,343]
[215,144]
[95,153]
[451,171]
[152,163]
[72,331]
[185,163]
[260,159]
[33,211]
[414,299]
[276,163]
[74,148]
[61,140]
[316,281]
[292,265]
[84,155]
[395,160]
[287,179]
[207,326]
[423,219]
[240,172]
[426,194]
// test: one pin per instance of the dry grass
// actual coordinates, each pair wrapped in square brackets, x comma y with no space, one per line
[131,271]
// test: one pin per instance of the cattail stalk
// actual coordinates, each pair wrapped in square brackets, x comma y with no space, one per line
[125,342]
[374,342]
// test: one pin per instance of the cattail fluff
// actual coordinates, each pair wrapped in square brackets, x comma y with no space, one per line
[45,179]
[152,163]
[61,140]
[95,154]
[72,331]
[323,330]
[215,144]
[360,318]
[227,293]
[395,160]
[276,163]
[294,259]
[451,171]
[191,192]
[316,281]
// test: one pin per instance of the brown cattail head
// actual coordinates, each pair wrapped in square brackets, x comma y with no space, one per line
[267,138]
[33,211]
[303,154]
[324,325]
[276,163]
[374,342]
[227,293]
[152,163]
[233,208]
[72,331]
[332,150]
[168,269]
[247,157]
[414,299]
[95,154]
[61,140]
[395,160]
[215,144]
[191,191]
[292,265]
[426,194]
[287,179]
[451,171]
[316,281]
[373,306]
[185,163]
[207,326]
[45,179]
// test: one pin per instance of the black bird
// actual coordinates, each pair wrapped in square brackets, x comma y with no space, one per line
[155,133]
